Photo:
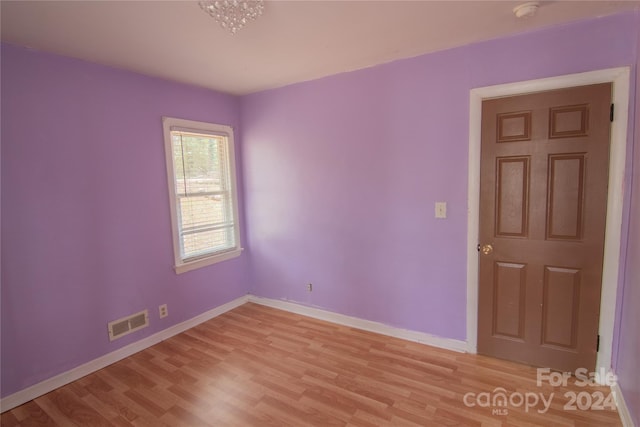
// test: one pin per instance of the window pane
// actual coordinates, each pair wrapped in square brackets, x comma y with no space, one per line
[200,163]
[207,242]
[204,204]
[202,211]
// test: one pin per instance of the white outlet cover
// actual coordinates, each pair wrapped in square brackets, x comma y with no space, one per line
[163,311]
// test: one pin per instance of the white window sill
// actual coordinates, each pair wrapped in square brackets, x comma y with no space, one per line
[210,260]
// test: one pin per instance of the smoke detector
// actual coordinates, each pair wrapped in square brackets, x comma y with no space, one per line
[526,10]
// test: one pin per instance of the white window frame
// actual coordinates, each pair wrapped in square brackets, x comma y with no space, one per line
[169,123]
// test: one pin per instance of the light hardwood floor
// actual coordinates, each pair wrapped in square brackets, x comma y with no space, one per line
[258,366]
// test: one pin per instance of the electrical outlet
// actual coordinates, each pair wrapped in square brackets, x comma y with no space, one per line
[309,287]
[163,310]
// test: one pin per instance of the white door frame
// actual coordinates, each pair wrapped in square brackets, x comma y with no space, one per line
[615,199]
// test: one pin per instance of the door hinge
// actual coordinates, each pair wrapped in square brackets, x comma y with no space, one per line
[478,248]
[598,344]
[611,113]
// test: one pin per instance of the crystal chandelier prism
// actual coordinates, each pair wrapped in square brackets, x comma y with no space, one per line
[232,15]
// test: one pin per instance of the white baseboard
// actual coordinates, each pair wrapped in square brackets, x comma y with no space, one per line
[623,409]
[367,325]
[64,378]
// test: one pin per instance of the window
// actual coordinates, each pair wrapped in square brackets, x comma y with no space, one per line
[202,188]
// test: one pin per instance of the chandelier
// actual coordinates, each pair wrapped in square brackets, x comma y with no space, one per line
[233,14]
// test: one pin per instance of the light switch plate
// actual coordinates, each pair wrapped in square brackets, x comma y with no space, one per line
[441,209]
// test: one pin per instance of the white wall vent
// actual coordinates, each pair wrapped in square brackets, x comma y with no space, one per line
[126,325]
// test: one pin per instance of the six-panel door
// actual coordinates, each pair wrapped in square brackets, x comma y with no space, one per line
[544,174]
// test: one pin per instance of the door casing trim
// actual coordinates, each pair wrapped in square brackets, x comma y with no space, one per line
[619,77]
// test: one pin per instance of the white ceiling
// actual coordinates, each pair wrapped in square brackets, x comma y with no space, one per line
[293,41]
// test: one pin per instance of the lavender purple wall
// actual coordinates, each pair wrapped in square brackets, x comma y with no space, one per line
[341,177]
[86,234]
[342,174]
[628,353]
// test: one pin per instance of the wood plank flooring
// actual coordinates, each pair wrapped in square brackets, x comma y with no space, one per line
[258,366]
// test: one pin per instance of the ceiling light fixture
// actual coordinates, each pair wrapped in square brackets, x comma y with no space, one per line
[233,14]
[526,10]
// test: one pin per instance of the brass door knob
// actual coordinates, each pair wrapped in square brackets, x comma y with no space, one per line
[487,249]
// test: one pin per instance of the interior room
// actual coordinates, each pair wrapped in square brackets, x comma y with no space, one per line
[379,246]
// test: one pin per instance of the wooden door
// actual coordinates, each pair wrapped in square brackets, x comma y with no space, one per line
[544,174]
